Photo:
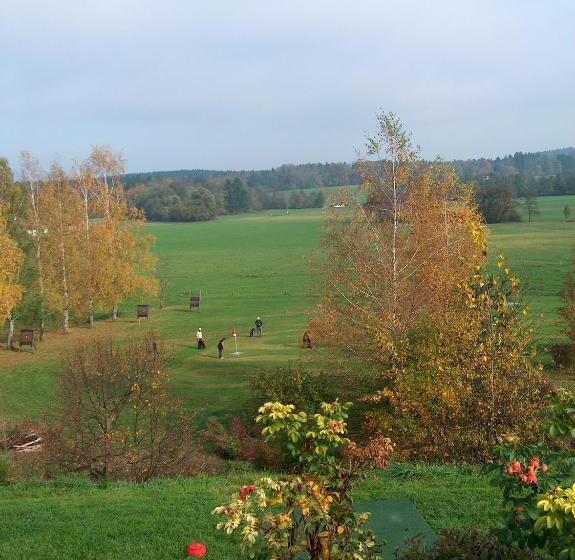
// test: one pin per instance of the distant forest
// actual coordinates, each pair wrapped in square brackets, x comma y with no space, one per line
[200,194]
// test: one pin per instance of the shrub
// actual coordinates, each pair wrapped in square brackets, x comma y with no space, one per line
[563,355]
[4,467]
[557,521]
[526,473]
[453,387]
[291,385]
[238,442]
[468,544]
[116,420]
[308,512]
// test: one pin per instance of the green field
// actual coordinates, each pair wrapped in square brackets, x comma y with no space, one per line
[258,264]
[79,520]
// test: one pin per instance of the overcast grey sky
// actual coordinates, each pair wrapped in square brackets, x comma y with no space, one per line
[256,83]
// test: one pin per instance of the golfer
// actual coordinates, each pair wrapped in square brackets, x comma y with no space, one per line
[200,338]
[221,347]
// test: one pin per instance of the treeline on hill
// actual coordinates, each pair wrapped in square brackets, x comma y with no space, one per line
[304,176]
[174,200]
[199,194]
[71,244]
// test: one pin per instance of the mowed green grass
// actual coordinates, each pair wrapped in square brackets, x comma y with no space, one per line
[540,252]
[259,264]
[244,266]
[79,520]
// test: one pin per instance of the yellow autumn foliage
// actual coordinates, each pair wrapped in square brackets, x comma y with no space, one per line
[11,258]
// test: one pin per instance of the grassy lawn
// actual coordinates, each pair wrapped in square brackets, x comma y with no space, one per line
[258,264]
[80,520]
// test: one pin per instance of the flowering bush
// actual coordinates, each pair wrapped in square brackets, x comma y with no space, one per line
[558,521]
[309,511]
[526,473]
[281,519]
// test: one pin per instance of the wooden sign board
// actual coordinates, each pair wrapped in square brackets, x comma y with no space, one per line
[143,311]
[27,339]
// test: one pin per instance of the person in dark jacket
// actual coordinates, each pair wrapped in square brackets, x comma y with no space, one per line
[221,347]
[259,325]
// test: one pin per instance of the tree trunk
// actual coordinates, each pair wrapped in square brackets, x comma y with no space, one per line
[40,285]
[65,288]
[10,337]
[115,312]
[91,314]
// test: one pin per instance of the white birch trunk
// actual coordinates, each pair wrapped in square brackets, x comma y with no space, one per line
[10,337]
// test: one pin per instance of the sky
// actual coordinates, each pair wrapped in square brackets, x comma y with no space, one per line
[251,84]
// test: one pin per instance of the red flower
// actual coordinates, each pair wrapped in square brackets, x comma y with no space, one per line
[196,550]
[534,463]
[515,467]
[245,491]
[531,478]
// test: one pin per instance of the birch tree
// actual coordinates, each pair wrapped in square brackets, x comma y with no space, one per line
[34,223]
[11,258]
[61,207]
[126,248]
[85,184]
[406,238]
[408,301]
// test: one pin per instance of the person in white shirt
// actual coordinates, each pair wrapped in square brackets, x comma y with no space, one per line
[200,337]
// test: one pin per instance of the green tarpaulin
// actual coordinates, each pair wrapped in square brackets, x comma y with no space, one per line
[395,522]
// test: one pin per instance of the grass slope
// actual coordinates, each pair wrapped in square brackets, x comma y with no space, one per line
[79,520]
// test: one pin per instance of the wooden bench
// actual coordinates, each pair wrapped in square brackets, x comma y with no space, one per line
[195,302]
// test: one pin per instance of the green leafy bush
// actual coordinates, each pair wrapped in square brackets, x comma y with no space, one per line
[291,385]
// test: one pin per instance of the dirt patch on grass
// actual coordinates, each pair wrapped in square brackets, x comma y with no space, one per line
[55,342]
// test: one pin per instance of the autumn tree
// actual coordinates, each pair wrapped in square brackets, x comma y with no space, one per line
[11,257]
[413,235]
[35,225]
[127,263]
[405,300]
[61,209]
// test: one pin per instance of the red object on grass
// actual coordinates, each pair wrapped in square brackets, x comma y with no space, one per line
[245,491]
[196,550]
